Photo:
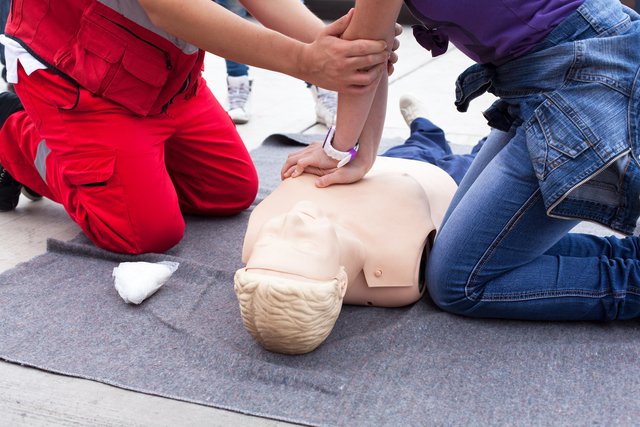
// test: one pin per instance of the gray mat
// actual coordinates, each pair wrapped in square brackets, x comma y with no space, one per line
[409,366]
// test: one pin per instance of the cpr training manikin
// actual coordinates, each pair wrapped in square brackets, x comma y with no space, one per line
[308,250]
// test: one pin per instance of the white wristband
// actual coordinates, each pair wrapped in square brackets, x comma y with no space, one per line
[343,157]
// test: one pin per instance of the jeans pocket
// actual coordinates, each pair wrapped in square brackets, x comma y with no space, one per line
[554,136]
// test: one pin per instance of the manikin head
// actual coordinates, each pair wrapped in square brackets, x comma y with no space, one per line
[291,290]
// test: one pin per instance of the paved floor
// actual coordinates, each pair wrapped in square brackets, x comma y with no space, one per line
[279,104]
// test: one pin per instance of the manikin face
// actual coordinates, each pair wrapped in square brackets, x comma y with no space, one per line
[301,242]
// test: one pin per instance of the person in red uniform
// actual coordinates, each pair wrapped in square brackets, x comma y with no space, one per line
[118,124]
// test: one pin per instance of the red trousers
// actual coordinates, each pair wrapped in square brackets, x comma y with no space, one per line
[124,179]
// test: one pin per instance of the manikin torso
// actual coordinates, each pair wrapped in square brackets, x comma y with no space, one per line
[384,225]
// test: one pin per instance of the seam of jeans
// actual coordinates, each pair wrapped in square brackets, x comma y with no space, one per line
[562,293]
[492,247]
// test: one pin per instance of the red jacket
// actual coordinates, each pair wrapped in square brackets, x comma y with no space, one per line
[109,47]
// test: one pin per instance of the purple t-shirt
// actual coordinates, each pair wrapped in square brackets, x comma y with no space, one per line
[488,31]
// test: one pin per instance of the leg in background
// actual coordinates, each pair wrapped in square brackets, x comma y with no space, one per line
[238,82]
[428,143]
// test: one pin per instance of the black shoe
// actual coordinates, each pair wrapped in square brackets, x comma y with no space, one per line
[9,191]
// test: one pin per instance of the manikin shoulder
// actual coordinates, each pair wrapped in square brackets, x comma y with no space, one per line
[437,185]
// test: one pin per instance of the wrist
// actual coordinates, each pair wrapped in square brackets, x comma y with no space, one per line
[343,157]
[301,66]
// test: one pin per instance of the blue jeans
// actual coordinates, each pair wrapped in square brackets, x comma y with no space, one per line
[428,143]
[235,69]
[499,255]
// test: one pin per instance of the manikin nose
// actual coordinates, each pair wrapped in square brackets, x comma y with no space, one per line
[298,227]
[297,221]
[292,224]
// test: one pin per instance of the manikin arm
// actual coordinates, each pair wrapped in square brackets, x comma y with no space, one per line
[360,116]
[328,61]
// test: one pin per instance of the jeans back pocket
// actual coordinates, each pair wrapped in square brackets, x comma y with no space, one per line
[555,135]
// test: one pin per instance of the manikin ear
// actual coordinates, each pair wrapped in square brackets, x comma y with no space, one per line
[343,281]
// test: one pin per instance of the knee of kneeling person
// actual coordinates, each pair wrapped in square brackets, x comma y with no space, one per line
[235,199]
[155,234]
[163,238]
[448,292]
[248,191]
[246,195]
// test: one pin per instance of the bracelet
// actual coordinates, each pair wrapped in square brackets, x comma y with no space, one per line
[343,157]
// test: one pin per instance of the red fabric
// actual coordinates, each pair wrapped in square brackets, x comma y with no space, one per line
[106,53]
[124,178]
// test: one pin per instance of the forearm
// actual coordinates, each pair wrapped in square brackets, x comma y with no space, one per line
[298,21]
[372,19]
[230,37]
[373,126]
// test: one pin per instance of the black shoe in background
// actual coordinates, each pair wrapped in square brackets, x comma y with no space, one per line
[9,104]
[9,191]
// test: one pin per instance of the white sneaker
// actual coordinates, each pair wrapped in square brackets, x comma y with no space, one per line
[411,108]
[326,105]
[238,93]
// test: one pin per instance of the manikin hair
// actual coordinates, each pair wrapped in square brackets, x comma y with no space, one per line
[289,315]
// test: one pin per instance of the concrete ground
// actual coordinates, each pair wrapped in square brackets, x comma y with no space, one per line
[279,104]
